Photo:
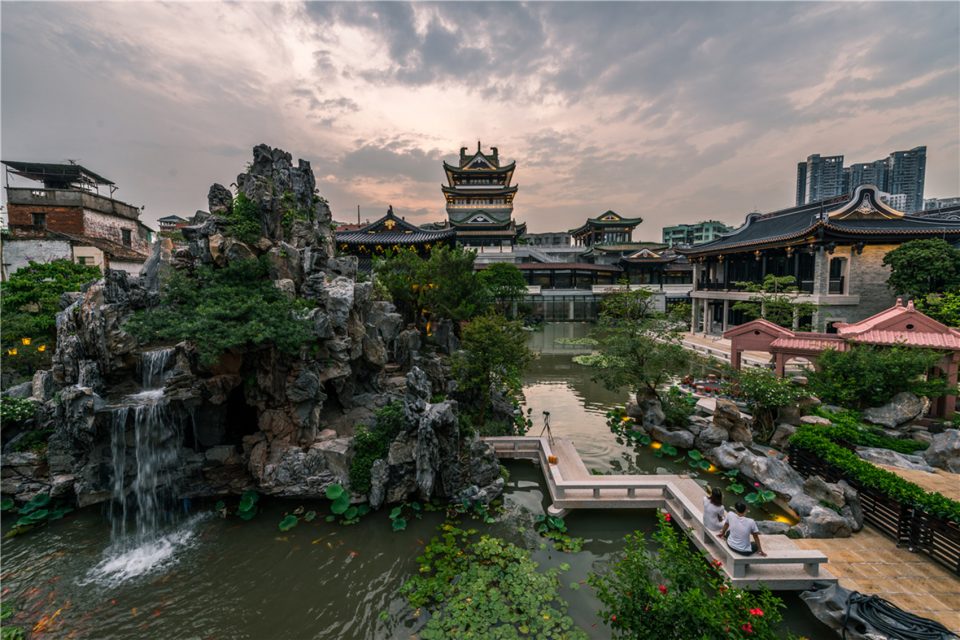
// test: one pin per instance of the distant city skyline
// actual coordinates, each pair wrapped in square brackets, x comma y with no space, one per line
[673,112]
[902,175]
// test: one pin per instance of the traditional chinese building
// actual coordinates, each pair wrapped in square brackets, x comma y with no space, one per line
[608,228]
[390,233]
[66,217]
[834,250]
[479,197]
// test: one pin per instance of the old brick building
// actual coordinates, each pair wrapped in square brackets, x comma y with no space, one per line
[66,217]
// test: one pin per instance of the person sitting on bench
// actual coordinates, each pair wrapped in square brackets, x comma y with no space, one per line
[737,530]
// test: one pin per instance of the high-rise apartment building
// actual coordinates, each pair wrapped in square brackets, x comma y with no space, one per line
[821,177]
[907,173]
[902,172]
[691,234]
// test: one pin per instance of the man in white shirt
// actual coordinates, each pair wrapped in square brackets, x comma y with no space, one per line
[740,528]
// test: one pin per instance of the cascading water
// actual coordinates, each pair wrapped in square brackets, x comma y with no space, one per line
[144,483]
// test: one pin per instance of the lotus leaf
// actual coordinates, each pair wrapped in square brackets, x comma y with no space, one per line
[251,494]
[396,512]
[335,491]
[220,506]
[669,449]
[246,504]
[695,455]
[341,504]
[247,515]
[309,516]
[350,513]
[38,501]
[398,524]
[363,509]
[288,522]
[736,488]
[330,518]
[704,464]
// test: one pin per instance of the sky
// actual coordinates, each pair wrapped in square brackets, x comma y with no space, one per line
[674,112]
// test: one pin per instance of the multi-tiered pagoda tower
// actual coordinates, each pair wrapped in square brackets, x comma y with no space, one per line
[480,200]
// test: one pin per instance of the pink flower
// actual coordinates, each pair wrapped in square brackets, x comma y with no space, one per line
[756,484]
[613,618]
[666,517]
[662,588]
[756,612]
[748,628]
[717,563]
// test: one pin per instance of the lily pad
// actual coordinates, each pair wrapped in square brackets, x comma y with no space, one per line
[396,512]
[398,524]
[350,513]
[736,488]
[38,501]
[289,522]
[335,491]
[341,504]
[669,449]
[695,455]
[247,515]
[309,516]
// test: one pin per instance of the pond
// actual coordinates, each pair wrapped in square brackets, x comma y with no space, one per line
[215,578]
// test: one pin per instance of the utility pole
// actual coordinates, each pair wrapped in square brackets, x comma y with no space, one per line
[358,214]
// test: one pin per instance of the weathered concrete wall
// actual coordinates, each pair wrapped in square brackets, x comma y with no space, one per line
[99,225]
[18,253]
[133,268]
[89,255]
[62,219]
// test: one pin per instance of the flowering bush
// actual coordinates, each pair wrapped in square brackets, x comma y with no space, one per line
[675,594]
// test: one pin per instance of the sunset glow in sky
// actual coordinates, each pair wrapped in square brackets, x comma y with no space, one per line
[675,112]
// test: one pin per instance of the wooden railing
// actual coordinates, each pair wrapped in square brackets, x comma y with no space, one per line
[907,525]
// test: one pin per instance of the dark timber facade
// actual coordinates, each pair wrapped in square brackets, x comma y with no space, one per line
[834,249]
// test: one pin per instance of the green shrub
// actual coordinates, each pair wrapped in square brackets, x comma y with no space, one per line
[31,301]
[221,309]
[675,594]
[244,220]
[13,410]
[869,376]
[371,444]
[678,406]
[862,474]
[765,393]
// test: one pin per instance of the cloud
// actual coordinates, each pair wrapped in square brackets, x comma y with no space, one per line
[670,111]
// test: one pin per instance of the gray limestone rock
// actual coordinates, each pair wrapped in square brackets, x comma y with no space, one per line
[894,459]
[729,455]
[781,435]
[815,420]
[339,302]
[727,416]
[678,438]
[822,491]
[944,451]
[824,523]
[379,476]
[830,605]
[776,475]
[22,390]
[902,408]
[710,438]
[772,527]
[219,200]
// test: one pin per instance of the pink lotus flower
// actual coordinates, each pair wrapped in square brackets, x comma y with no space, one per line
[662,588]
[748,628]
[756,484]
[756,612]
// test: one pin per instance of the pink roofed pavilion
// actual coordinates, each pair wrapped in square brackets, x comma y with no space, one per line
[899,325]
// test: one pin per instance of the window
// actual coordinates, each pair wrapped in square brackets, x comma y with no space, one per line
[83,260]
[40,220]
[838,267]
[127,240]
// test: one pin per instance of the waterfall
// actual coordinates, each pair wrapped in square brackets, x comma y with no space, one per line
[145,490]
[145,446]
[152,365]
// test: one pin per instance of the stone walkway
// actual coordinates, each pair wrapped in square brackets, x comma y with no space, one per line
[870,563]
[942,481]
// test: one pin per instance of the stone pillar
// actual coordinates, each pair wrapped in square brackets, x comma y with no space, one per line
[706,317]
[726,314]
[694,313]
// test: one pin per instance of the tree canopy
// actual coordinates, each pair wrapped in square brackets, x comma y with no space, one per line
[31,301]
[444,285]
[773,300]
[504,282]
[922,267]
[221,309]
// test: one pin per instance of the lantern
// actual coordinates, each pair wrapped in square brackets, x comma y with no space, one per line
[42,348]
[12,352]
[25,341]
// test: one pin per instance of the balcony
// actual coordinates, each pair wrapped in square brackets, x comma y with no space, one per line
[71,198]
